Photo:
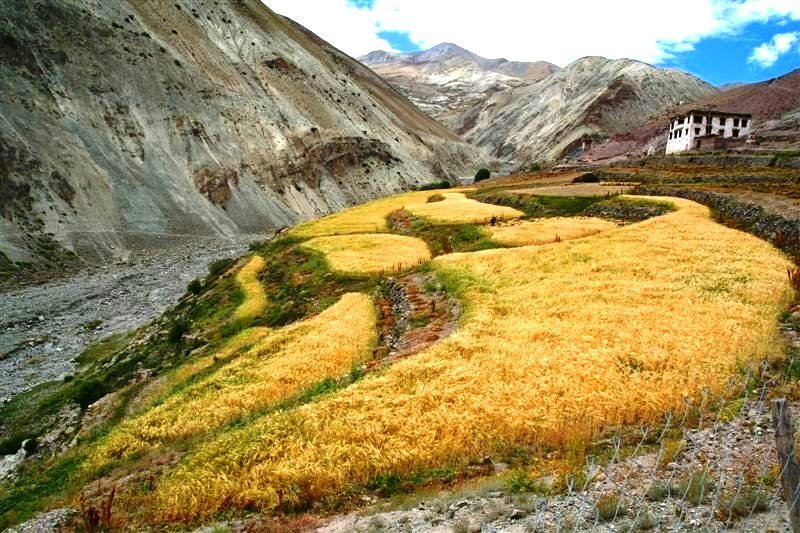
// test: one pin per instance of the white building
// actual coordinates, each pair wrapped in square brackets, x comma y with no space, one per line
[706,130]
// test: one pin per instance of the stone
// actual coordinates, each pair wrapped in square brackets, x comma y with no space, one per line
[517,514]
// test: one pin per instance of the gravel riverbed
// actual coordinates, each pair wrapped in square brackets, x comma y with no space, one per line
[44,328]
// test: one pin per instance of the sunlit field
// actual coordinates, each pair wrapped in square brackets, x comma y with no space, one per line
[254,298]
[547,230]
[365,218]
[273,366]
[458,209]
[370,253]
[557,342]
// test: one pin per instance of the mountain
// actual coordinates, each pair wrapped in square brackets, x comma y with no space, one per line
[774,104]
[447,81]
[533,111]
[589,100]
[129,122]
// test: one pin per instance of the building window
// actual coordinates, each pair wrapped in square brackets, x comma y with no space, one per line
[744,122]
[698,120]
[735,133]
[736,123]
[697,131]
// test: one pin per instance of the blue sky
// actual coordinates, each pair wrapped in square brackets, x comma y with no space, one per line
[719,40]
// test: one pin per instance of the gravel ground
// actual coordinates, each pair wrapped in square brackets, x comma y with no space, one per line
[43,328]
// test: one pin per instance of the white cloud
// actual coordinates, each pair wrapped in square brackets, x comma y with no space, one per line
[768,53]
[559,31]
[346,27]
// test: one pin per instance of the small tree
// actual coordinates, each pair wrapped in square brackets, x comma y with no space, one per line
[482,174]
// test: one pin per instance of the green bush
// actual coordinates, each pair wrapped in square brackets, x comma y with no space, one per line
[218,266]
[482,175]
[88,392]
[589,177]
[435,185]
[11,444]
[610,506]
[194,286]
[177,331]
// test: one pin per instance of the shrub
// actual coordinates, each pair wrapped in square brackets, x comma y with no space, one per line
[218,266]
[645,522]
[177,331]
[611,506]
[88,392]
[435,185]
[194,286]
[697,488]
[11,444]
[589,177]
[435,198]
[522,481]
[482,174]
[254,246]
[733,506]
[660,491]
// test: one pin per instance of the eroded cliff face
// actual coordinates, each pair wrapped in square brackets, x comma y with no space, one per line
[130,122]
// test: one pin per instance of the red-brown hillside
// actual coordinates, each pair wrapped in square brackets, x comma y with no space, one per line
[769,102]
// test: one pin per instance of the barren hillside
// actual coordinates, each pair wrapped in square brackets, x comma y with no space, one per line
[774,104]
[590,99]
[126,123]
[447,80]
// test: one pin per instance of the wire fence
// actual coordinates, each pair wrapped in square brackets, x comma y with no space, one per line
[724,462]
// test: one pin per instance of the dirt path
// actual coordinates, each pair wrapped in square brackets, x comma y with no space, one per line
[43,328]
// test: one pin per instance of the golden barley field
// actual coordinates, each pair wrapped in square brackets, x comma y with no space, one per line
[557,342]
[275,365]
[254,298]
[370,253]
[365,218]
[544,231]
[458,209]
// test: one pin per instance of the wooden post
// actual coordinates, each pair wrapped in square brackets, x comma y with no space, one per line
[787,455]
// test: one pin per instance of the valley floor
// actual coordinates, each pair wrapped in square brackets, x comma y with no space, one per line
[44,327]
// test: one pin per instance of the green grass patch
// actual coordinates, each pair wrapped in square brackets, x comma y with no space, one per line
[540,206]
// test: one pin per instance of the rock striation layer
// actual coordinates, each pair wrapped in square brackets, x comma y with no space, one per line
[128,123]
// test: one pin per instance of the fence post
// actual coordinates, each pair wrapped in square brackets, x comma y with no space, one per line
[790,470]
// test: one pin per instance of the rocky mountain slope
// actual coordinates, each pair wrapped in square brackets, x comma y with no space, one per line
[128,123]
[774,104]
[534,111]
[447,81]
[589,100]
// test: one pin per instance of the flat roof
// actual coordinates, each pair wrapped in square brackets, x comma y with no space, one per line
[711,112]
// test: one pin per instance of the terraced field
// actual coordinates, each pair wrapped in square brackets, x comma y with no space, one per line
[523,233]
[569,326]
[558,342]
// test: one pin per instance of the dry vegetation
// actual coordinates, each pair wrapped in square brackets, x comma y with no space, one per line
[544,231]
[254,298]
[366,218]
[458,209]
[557,343]
[364,254]
[275,365]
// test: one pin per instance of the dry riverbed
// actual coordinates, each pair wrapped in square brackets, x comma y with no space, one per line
[43,328]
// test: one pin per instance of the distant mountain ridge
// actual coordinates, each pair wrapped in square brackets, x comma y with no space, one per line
[531,111]
[448,51]
[447,81]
